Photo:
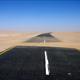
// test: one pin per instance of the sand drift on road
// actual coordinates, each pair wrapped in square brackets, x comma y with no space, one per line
[47,37]
[28,63]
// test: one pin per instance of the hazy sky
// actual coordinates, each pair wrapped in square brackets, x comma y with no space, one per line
[40,15]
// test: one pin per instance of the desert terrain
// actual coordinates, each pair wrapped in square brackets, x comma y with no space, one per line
[11,39]
[37,56]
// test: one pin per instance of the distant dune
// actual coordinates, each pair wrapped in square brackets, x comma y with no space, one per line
[67,39]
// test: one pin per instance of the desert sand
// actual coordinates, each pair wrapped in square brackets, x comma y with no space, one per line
[11,39]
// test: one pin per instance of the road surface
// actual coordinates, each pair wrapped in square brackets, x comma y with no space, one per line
[29,63]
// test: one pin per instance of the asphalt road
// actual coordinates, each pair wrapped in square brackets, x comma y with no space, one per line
[28,63]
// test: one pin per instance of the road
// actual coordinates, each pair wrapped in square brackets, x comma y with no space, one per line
[40,63]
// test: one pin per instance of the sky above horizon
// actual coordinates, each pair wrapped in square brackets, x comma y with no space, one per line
[40,15]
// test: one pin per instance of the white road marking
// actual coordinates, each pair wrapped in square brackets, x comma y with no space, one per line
[46,64]
[44,41]
[69,74]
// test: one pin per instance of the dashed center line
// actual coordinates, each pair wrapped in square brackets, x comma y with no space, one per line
[47,71]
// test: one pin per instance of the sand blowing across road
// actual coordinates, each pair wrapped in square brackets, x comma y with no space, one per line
[59,39]
[66,39]
[11,39]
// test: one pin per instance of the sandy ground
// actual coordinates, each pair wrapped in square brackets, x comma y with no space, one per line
[10,39]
